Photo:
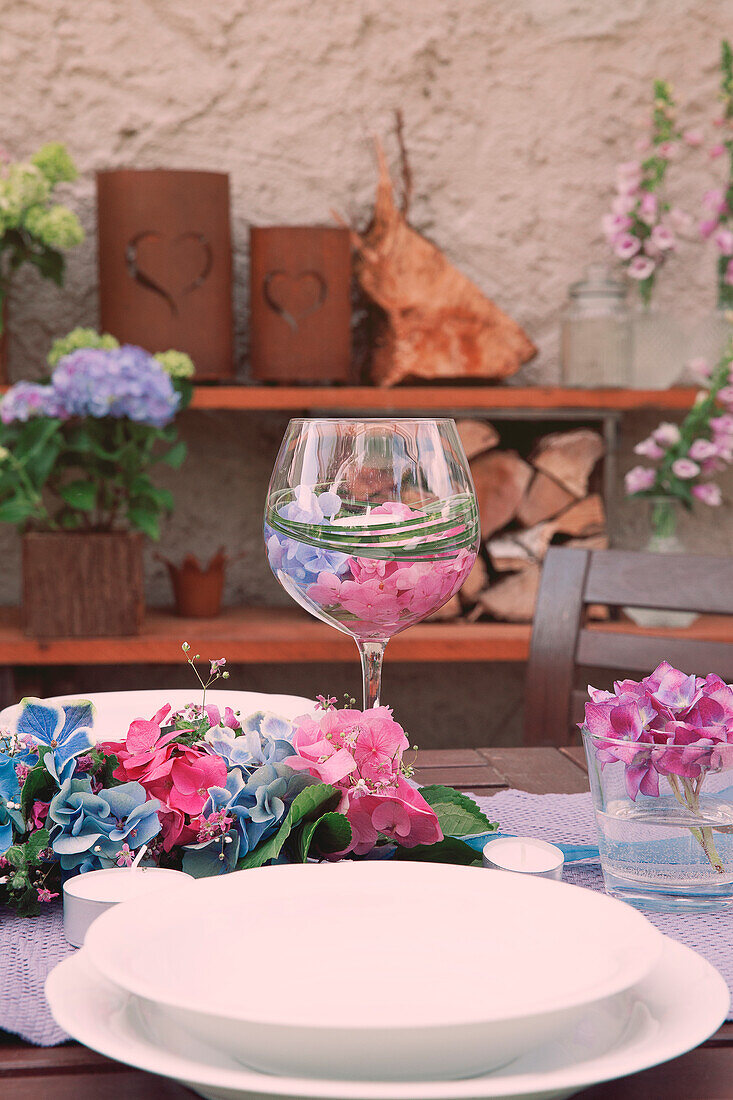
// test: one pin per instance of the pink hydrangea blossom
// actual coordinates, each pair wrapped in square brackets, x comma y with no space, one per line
[360,753]
[178,775]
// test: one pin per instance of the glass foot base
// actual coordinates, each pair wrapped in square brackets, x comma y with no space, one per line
[669,898]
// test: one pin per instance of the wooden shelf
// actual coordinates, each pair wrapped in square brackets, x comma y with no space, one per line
[260,635]
[437,398]
[288,635]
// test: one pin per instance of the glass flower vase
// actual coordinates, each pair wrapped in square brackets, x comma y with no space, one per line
[664,514]
[658,350]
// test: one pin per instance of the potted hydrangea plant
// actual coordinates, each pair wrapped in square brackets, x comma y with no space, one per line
[33,228]
[76,456]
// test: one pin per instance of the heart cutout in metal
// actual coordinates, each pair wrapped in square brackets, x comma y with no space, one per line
[171,267]
[294,297]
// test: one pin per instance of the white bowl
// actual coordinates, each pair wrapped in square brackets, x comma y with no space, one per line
[115,710]
[374,970]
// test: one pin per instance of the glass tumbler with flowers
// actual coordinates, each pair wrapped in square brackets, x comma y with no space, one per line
[371,525]
[660,756]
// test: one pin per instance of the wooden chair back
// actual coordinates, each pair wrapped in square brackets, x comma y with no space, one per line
[563,641]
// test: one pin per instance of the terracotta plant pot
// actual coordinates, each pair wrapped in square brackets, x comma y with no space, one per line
[165,263]
[197,589]
[82,585]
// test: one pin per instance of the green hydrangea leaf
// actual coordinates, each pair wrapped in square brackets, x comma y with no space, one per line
[312,802]
[327,834]
[457,813]
[80,494]
[448,850]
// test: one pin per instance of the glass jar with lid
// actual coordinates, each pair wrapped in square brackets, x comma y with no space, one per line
[595,337]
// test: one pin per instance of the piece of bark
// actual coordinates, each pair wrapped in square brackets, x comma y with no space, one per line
[453,609]
[501,479]
[545,498]
[569,458]
[513,599]
[536,540]
[475,582]
[507,555]
[477,436]
[585,517]
[438,324]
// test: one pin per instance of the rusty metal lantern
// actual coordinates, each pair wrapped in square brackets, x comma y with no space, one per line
[300,304]
[165,263]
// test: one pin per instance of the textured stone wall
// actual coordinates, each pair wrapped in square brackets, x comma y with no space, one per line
[515,113]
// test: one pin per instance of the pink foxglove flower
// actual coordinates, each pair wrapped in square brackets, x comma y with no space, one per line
[648,207]
[717,150]
[639,479]
[623,204]
[725,395]
[667,434]
[614,224]
[641,267]
[708,227]
[708,493]
[663,238]
[714,200]
[626,245]
[723,239]
[693,138]
[700,449]
[685,468]
[700,366]
[649,448]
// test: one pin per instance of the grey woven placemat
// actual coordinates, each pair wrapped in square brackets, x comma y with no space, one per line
[29,949]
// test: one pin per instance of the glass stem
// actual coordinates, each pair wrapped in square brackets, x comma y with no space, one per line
[372,655]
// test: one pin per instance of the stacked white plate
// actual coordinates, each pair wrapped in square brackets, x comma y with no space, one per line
[377,980]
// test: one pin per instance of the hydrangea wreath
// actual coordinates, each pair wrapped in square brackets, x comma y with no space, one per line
[211,792]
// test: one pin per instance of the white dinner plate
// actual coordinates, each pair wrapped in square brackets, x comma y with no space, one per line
[675,1008]
[117,709]
[497,963]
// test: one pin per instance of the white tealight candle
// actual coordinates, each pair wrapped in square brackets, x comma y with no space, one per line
[89,895]
[524,855]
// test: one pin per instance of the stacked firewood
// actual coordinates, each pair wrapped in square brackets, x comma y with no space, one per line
[526,505]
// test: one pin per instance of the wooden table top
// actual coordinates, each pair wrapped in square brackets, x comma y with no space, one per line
[72,1072]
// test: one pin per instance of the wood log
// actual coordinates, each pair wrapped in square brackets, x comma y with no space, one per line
[536,540]
[475,582]
[477,436]
[545,498]
[507,555]
[569,458]
[585,517]
[450,610]
[513,599]
[437,323]
[501,479]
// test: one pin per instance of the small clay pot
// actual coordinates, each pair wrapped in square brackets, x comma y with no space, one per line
[197,589]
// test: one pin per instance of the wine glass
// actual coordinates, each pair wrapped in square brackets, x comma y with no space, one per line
[371,525]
